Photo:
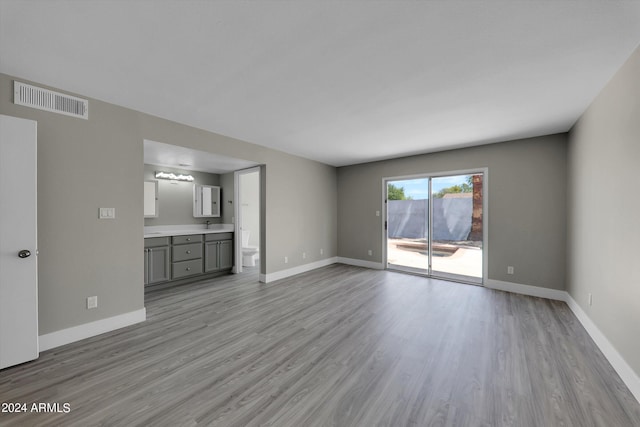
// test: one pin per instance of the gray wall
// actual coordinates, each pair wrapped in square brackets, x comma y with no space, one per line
[175,198]
[604,156]
[84,165]
[526,212]
[87,164]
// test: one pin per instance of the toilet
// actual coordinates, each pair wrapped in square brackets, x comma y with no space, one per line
[249,253]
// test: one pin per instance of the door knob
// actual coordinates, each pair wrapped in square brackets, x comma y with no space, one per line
[24,253]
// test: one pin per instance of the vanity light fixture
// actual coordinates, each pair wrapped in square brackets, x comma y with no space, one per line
[173,176]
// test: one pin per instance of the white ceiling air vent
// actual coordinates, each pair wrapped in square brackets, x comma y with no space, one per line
[48,100]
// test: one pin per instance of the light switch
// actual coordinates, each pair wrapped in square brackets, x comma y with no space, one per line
[92,302]
[107,213]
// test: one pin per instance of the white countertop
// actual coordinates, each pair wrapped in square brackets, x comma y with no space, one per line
[187,229]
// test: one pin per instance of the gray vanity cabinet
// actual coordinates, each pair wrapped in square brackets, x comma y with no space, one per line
[186,256]
[218,252]
[211,256]
[157,264]
[226,254]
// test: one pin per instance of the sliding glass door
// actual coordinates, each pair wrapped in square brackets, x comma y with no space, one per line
[457,227]
[408,225]
[435,226]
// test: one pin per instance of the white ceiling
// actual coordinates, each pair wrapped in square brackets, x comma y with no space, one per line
[161,154]
[341,82]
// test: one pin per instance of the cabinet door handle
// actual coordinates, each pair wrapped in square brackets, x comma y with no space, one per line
[188,239]
[188,268]
[188,252]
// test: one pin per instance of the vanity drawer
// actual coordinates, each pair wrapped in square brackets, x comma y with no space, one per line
[185,252]
[152,242]
[191,238]
[218,236]
[186,268]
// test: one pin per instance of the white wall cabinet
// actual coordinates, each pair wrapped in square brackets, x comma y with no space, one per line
[151,199]
[206,201]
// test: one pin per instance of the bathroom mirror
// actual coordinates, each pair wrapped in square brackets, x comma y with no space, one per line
[151,199]
[206,201]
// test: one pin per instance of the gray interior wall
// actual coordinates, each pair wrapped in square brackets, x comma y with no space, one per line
[526,190]
[175,198]
[87,164]
[84,165]
[604,208]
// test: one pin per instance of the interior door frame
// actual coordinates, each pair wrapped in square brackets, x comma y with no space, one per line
[485,214]
[237,264]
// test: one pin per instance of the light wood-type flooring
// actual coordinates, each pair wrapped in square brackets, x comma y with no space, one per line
[338,346]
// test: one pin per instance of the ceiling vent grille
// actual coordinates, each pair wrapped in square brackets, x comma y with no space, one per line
[48,100]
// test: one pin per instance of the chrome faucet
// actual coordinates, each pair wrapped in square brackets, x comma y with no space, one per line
[208,223]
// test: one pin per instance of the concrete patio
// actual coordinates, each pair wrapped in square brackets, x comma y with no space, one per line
[448,258]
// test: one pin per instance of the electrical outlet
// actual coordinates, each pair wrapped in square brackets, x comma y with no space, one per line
[92,302]
[321,251]
[590,299]
[370,252]
[304,255]
[510,269]
[286,259]
[377,213]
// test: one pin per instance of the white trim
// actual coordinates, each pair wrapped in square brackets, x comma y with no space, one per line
[237,244]
[628,376]
[485,225]
[385,235]
[534,291]
[237,214]
[91,329]
[282,274]
[361,263]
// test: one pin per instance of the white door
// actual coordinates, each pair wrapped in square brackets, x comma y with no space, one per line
[18,239]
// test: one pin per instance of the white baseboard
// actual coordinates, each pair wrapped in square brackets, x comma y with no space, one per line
[361,263]
[628,376]
[80,332]
[282,274]
[534,291]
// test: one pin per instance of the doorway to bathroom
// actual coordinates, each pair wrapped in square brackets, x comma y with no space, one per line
[247,218]
[435,225]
